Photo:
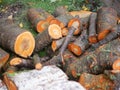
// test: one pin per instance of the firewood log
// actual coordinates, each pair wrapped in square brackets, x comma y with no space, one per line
[4,56]
[92,28]
[37,20]
[64,32]
[45,38]
[17,40]
[114,75]
[106,20]
[96,82]
[80,44]
[94,62]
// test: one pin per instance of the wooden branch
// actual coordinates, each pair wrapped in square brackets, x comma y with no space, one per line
[18,40]
[4,56]
[45,38]
[80,44]
[38,20]
[96,82]
[92,28]
[106,20]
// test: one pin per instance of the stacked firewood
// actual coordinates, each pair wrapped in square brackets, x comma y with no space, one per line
[84,45]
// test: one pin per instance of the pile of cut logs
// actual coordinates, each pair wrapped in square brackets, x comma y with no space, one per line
[86,45]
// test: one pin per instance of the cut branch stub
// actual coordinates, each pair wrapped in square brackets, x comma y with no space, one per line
[38,21]
[18,40]
[45,38]
[3,57]
[75,22]
[80,44]
[106,20]
[92,28]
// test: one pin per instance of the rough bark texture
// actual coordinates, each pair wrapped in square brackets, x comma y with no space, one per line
[112,3]
[92,28]
[96,82]
[106,20]
[3,57]
[61,10]
[37,20]
[114,75]
[42,40]
[16,39]
[94,62]
[49,77]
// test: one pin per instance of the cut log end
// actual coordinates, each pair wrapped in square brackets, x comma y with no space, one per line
[24,44]
[76,24]
[93,39]
[55,21]
[38,66]
[54,31]
[116,65]
[42,25]
[10,85]
[49,19]
[15,61]
[54,46]
[75,49]
[103,34]
[64,32]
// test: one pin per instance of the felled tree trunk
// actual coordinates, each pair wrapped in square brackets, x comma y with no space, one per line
[3,57]
[48,77]
[38,20]
[106,20]
[16,39]
[45,38]
[96,82]
[94,62]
